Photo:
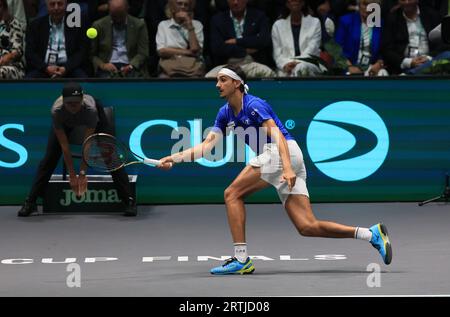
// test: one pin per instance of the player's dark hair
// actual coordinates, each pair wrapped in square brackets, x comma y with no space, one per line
[238,70]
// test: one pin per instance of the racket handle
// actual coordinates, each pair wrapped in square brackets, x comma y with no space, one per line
[152,162]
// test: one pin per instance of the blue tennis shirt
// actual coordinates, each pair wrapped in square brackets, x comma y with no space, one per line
[253,113]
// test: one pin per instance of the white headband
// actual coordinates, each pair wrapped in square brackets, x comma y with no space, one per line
[228,72]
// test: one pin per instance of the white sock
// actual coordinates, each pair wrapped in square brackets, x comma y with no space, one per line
[363,234]
[240,252]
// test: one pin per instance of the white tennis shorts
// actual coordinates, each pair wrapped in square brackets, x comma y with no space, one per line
[272,169]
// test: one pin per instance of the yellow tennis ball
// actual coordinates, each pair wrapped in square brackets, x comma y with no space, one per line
[91,33]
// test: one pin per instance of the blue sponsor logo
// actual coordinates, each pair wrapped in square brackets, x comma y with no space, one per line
[12,146]
[347,141]
[290,124]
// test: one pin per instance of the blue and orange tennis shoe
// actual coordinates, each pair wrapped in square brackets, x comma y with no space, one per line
[380,241]
[233,266]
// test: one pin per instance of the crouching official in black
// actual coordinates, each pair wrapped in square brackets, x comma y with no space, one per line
[70,110]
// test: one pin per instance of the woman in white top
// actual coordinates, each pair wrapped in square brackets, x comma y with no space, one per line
[296,36]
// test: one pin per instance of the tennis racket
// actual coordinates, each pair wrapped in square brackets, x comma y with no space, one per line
[104,152]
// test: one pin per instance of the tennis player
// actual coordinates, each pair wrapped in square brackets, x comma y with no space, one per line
[279,163]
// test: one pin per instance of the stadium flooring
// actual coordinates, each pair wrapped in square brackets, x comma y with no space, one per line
[174,237]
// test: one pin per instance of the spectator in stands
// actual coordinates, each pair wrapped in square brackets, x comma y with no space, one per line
[53,49]
[179,42]
[17,10]
[156,11]
[88,8]
[296,36]
[135,8]
[38,8]
[240,36]
[11,45]
[121,46]
[361,43]
[405,43]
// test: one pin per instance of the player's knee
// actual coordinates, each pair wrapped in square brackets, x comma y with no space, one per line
[230,194]
[309,229]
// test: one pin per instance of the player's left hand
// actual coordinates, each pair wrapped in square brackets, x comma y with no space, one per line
[289,177]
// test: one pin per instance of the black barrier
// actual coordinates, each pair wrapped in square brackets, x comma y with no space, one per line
[101,195]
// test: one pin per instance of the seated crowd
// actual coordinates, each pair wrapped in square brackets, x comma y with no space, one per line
[194,38]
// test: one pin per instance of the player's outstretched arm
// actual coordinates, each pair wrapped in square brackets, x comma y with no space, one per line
[193,153]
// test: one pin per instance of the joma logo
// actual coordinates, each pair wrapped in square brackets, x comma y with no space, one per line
[91,196]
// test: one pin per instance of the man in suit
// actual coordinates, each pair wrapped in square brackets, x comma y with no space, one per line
[241,36]
[53,49]
[121,46]
[405,44]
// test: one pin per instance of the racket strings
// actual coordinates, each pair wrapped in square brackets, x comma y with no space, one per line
[104,153]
